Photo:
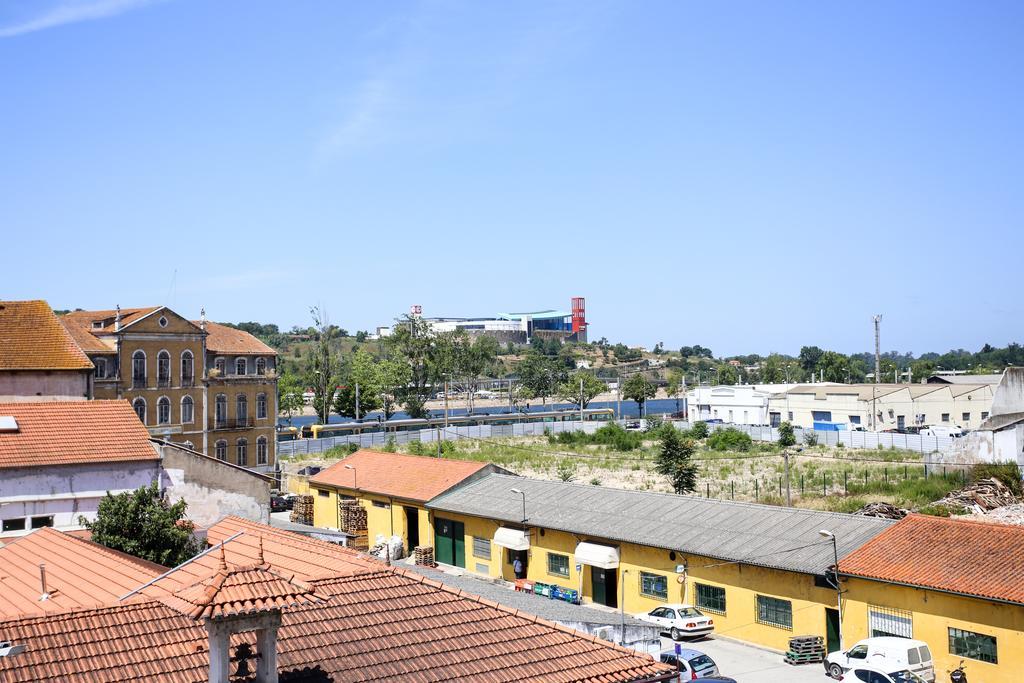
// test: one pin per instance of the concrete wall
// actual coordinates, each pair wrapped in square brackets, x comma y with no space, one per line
[213,489]
[68,491]
[1009,393]
[45,385]
[933,613]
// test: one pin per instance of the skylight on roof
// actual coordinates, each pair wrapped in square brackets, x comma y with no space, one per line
[8,424]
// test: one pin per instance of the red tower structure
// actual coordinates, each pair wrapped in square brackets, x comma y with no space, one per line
[579,315]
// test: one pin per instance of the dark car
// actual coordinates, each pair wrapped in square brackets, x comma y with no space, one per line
[720,679]
[280,504]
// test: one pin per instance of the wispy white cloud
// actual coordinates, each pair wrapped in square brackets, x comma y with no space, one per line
[363,123]
[71,13]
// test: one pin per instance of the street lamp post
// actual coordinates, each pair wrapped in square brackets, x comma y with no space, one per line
[355,481]
[839,591]
[523,494]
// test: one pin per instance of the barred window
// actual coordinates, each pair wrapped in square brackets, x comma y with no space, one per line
[558,564]
[972,645]
[710,598]
[482,547]
[774,612]
[886,621]
[654,585]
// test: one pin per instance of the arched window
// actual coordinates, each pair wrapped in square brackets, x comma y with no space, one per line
[242,409]
[163,369]
[139,406]
[221,450]
[220,411]
[163,411]
[242,447]
[261,366]
[219,365]
[261,406]
[188,368]
[187,410]
[139,368]
[240,368]
[261,450]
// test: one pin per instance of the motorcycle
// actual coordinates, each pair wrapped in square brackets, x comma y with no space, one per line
[957,675]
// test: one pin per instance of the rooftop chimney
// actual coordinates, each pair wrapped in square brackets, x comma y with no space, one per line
[202,318]
[42,582]
[117,319]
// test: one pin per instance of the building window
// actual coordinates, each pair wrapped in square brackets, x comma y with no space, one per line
[220,410]
[261,450]
[774,612]
[139,406]
[710,598]
[162,321]
[789,414]
[972,645]
[261,366]
[163,411]
[984,415]
[188,369]
[558,564]
[854,419]
[221,450]
[380,504]
[241,452]
[482,547]
[322,493]
[139,368]
[219,365]
[240,366]
[885,621]
[242,409]
[945,417]
[261,406]
[40,522]
[14,524]
[654,585]
[163,369]
[821,415]
[187,410]
[101,367]
[966,417]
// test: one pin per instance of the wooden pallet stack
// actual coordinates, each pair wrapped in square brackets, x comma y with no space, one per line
[302,510]
[806,650]
[353,517]
[424,555]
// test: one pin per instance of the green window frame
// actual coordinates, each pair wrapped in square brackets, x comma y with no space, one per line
[710,598]
[973,645]
[774,612]
[558,565]
[482,547]
[654,585]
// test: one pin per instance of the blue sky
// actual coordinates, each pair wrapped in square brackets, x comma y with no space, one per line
[746,176]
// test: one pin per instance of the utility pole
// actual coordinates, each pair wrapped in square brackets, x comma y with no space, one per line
[785,460]
[357,401]
[878,347]
[618,394]
[581,401]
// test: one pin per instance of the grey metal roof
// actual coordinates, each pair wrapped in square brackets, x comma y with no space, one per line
[763,535]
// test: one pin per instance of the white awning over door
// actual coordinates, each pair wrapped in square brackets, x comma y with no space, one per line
[600,556]
[513,539]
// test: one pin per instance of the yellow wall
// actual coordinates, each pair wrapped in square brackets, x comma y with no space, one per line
[389,520]
[933,614]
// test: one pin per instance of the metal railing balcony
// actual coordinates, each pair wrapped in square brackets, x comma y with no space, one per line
[163,382]
[188,381]
[231,423]
[139,382]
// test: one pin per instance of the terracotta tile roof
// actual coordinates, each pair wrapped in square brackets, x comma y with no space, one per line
[411,477]
[78,328]
[960,556]
[72,433]
[228,340]
[381,623]
[32,338]
[128,316]
[79,573]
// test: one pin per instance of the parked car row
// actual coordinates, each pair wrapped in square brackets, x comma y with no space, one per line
[282,502]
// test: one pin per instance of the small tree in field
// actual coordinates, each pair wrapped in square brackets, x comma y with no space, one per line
[675,461]
[143,524]
[786,435]
[638,388]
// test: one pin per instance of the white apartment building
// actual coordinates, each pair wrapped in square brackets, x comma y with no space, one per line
[745,404]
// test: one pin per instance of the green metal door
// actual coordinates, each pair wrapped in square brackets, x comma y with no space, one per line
[444,550]
[598,585]
[832,629]
[459,544]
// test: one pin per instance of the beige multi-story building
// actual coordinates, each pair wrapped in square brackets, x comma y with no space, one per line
[207,386]
[877,407]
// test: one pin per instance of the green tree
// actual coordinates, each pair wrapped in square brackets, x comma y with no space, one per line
[569,390]
[773,369]
[786,435]
[414,343]
[834,367]
[922,369]
[674,459]
[290,390]
[143,524]
[393,376]
[539,375]
[675,385]
[727,374]
[638,388]
[809,356]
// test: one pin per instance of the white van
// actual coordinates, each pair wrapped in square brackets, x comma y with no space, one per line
[942,430]
[886,652]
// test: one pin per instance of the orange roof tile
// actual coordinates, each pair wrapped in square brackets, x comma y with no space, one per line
[411,477]
[959,556]
[79,330]
[228,340]
[72,433]
[32,338]
[79,573]
[379,624]
[128,316]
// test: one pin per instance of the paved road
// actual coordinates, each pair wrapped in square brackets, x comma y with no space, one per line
[745,663]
